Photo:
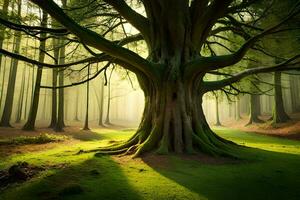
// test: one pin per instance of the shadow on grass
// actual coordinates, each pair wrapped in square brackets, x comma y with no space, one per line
[85,135]
[267,175]
[96,178]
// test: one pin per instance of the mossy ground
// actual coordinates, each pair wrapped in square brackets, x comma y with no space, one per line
[271,171]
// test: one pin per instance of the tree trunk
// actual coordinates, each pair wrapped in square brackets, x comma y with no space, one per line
[86,123]
[254,109]
[54,83]
[107,120]
[2,28]
[294,93]
[100,122]
[100,101]
[3,81]
[218,123]
[76,118]
[279,114]
[30,124]
[7,111]
[21,98]
[237,109]
[60,114]
[173,121]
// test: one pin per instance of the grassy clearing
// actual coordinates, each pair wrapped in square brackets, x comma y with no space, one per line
[271,171]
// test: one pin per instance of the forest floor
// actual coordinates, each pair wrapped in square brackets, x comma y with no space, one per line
[269,170]
[290,129]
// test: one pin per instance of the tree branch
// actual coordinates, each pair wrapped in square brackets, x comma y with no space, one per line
[93,39]
[283,66]
[138,21]
[204,64]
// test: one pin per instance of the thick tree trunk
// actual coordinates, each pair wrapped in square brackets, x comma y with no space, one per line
[30,124]
[254,109]
[279,114]
[6,116]
[173,121]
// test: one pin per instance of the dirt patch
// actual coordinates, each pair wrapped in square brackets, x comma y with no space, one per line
[18,173]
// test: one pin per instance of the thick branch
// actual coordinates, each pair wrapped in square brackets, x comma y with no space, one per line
[284,66]
[96,58]
[138,21]
[93,39]
[218,62]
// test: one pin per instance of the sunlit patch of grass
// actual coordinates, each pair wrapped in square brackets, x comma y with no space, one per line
[265,142]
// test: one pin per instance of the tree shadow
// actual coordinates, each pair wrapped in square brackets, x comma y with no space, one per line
[267,175]
[95,178]
[85,135]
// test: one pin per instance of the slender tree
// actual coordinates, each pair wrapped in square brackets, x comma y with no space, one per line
[21,98]
[86,123]
[10,91]
[218,122]
[2,28]
[30,124]
[237,109]
[254,109]
[294,90]
[54,83]
[279,114]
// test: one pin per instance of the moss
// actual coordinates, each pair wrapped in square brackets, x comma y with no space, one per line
[40,139]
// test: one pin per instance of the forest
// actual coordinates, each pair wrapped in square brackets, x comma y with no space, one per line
[149,99]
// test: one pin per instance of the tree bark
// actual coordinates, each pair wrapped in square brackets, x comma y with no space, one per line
[279,114]
[30,124]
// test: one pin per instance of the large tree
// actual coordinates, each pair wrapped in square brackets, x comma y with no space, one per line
[173,76]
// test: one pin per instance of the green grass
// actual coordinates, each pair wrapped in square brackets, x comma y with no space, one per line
[40,139]
[272,171]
